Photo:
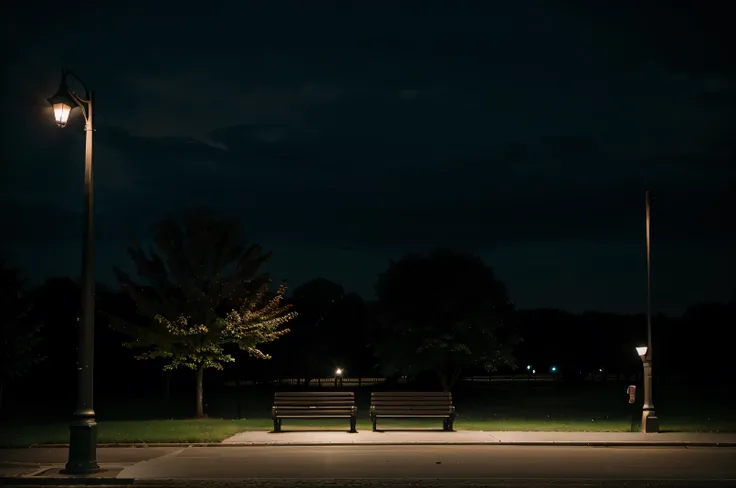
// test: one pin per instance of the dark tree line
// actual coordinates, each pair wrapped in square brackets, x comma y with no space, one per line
[200,301]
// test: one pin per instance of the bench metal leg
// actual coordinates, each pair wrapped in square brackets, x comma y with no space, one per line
[448,424]
[277,425]
[353,421]
[375,420]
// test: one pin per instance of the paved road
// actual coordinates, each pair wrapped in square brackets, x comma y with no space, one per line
[441,462]
[405,462]
[389,466]
[378,483]
[439,437]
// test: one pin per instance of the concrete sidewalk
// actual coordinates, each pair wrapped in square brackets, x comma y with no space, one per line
[474,437]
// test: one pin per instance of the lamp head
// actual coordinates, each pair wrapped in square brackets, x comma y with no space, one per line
[642,350]
[338,372]
[62,102]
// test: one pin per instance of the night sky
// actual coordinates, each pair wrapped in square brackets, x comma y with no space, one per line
[343,137]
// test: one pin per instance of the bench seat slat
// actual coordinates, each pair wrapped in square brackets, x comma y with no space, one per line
[316,404]
[411,410]
[346,408]
[315,413]
[304,394]
[421,416]
[440,413]
[403,405]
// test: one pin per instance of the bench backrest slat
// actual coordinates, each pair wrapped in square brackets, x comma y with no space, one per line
[415,401]
[411,393]
[315,394]
[314,401]
[413,397]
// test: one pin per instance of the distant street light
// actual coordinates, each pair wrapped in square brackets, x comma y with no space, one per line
[83,428]
[649,420]
[338,376]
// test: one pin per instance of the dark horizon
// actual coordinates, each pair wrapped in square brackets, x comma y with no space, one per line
[526,134]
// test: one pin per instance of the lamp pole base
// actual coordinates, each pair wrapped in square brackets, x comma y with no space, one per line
[649,422]
[82,447]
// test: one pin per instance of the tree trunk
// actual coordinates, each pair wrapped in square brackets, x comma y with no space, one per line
[443,380]
[200,402]
[447,379]
[455,376]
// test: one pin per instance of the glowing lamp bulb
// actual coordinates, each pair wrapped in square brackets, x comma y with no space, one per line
[338,372]
[642,350]
[61,113]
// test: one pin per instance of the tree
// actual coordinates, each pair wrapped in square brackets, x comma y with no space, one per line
[19,336]
[443,312]
[204,292]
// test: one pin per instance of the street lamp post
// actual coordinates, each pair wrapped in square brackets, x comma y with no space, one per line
[649,420]
[83,428]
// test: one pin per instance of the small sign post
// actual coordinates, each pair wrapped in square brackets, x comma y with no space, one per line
[631,391]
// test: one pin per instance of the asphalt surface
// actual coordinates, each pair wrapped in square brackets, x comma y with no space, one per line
[375,483]
[442,462]
[422,466]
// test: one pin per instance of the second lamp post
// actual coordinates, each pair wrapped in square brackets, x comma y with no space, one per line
[649,420]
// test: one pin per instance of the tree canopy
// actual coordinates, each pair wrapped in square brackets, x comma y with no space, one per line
[443,312]
[203,291]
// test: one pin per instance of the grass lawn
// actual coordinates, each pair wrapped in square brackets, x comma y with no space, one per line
[591,409]
[215,430]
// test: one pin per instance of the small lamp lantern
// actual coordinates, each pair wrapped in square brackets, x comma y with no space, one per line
[62,103]
[642,351]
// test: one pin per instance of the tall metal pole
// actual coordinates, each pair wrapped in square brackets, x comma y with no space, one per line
[649,420]
[649,276]
[83,429]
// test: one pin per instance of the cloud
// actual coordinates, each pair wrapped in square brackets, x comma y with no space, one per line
[167,151]
[688,37]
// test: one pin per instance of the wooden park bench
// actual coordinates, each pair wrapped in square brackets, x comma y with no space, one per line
[390,404]
[313,405]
